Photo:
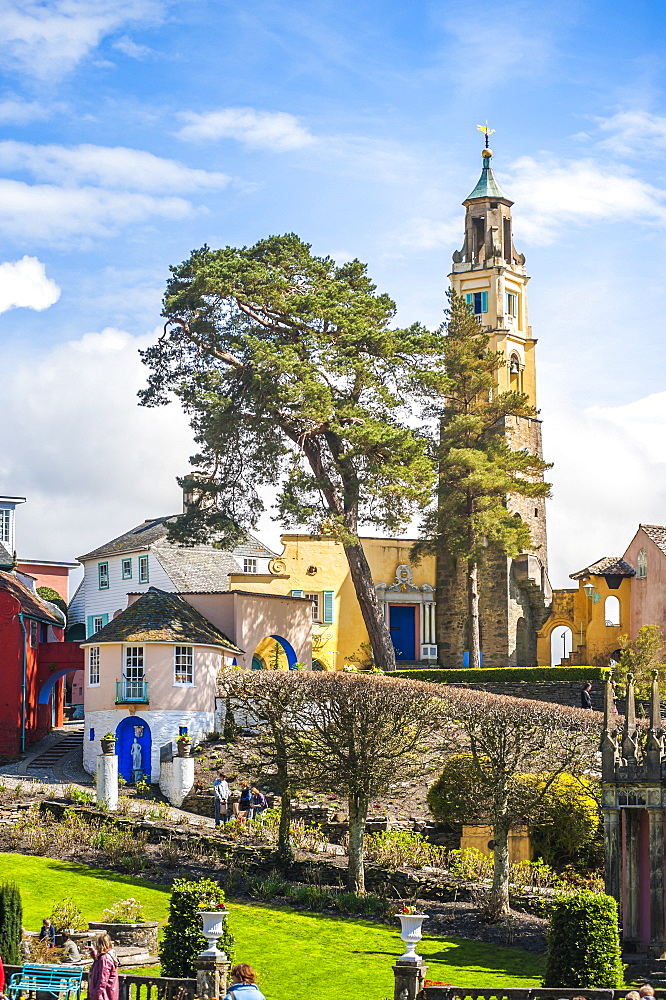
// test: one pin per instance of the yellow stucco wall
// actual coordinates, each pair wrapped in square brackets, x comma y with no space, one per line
[593,640]
[315,565]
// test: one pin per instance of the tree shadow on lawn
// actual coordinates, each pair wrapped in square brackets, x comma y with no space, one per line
[104,874]
[467,954]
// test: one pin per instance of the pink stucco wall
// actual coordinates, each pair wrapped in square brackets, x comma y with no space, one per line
[648,596]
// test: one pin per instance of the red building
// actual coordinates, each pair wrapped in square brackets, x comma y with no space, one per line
[34,659]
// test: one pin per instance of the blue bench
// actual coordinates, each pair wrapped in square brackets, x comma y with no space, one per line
[62,981]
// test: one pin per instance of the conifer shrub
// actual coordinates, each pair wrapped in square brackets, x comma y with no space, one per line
[11,921]
[183,939]
[584,943]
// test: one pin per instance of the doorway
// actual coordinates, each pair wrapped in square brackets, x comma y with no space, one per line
[402,626]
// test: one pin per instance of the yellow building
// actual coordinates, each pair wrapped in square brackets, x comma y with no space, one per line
[316,569]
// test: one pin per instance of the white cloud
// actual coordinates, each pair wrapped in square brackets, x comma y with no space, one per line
[274,130]
[106,166]
[45,213]
[74,407]
[47,40]
[549,195]
[427,234]
[23,283]
[631,132]
[16,111]
[133,50]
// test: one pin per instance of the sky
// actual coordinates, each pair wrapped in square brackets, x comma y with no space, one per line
[133,131]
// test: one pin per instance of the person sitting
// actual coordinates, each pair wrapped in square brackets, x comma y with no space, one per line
[48,933]
[244,984]
[70,949]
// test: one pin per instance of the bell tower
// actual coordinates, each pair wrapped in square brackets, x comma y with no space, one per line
[490,275]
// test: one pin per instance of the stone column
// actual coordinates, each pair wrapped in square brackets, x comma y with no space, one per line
[657,945]
[212,976]
[612,853]
[631,916]
[106,791]
[409,979]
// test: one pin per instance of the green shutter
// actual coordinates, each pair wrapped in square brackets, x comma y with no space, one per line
[297,593]
[328,606]
[90,625]
[484,302]
[469,299]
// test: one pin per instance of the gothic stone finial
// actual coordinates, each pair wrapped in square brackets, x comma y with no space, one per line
[655,740]
[630,735]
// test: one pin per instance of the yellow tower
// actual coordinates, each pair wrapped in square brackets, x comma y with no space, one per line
[491,276]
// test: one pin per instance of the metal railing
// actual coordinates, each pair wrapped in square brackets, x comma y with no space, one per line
[141,987]
[128,690]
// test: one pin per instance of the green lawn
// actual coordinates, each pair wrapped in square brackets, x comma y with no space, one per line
[312,954]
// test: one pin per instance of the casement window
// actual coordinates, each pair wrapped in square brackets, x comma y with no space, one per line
[183,665]
[133,679]
[5,525]
[93,666]
[34,634]
[143,569]
[95,623]
[641,565]
[249,565]
[126,569]
[511,304]
[103,575]
[316,606]
[478,301]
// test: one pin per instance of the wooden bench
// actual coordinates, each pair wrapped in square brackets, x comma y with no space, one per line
[63,981]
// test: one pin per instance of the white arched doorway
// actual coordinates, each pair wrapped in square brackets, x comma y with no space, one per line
[560,644]
[612,610]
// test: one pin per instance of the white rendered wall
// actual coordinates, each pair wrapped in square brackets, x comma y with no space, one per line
[164,728]
[114,598]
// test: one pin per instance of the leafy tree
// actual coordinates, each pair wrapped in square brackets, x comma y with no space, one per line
[506,739]
[361,733]
[478,470]
[11,922]
[291,373]
[584,943]
[53,597]
[641,657]
[183,939]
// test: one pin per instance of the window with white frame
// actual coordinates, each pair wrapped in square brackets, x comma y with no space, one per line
[316,606]
[5,525]
[98,622]
[127,569]
[93,666]
[511,304]
[103,575]
[143,569]
[249,565]
[34,634]
[183,665]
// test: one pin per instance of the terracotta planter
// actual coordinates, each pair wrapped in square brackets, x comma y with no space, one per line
[183,749]
[108,745]
[411,934]
[213,929]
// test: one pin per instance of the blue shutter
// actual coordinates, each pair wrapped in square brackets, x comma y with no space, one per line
[328,606]
[90,625]
[297,593]
[484,302]
[469,299]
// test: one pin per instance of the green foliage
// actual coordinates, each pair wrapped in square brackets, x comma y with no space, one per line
[53,597]
[11,921]
[67,915]
[584,943]
[486,674]
[183,939]
[460,794]
[568,818]
[641,657]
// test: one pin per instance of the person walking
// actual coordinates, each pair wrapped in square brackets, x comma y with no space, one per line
[103,981]
[585,699]
[48,933]
[244,984]
[221,793]
[258,804]
[245,801]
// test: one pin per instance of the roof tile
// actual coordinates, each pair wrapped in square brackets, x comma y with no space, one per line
[607,566]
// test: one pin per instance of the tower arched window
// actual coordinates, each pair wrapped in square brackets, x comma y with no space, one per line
[612,610]
[515,374]
[641,565]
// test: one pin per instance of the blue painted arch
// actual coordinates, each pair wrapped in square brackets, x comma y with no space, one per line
[125,738]
[292,659]
[49,684]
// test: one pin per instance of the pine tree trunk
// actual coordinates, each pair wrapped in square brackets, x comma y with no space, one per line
[284,848]
[500,889]
[358,812]
[380,638]
[473,615]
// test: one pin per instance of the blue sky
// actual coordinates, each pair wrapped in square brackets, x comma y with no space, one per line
[132,131]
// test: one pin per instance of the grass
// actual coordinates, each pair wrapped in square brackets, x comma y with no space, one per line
[308,953]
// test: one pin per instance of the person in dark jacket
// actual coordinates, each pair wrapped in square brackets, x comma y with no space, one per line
[585,700]
[48,932]
[258,803]
[245,801]
[244,984]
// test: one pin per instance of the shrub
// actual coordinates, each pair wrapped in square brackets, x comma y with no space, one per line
[313,897]
[403,848]
[269,886]
[183,939]
[125,911]
[66,915]
[11,920]
[584,943]
[569,818]
[487,674]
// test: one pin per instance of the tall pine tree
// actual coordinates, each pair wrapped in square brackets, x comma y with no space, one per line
[478,471]
[11,921]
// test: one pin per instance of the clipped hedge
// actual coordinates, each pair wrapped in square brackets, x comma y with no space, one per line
[584,943]
[487,674]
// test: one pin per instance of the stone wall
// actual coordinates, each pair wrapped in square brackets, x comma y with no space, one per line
[554,692]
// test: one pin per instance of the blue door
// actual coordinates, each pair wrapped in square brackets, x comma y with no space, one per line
[402,625]
[126,732]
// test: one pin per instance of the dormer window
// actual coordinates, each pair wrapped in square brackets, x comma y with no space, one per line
[5,525]
[641,564]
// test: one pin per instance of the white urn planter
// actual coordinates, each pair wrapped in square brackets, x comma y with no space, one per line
[213,929]
[411,934]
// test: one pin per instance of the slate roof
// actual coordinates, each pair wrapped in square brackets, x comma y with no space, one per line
[197,570]
[656,533]
[487,186]
[32,605]
[608,566]
[158,616]
[6,559]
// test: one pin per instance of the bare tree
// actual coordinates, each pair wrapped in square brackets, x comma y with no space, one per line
[359,734]
[274,701]
[507,738]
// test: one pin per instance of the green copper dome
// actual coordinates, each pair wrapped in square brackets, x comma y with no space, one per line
[487,186]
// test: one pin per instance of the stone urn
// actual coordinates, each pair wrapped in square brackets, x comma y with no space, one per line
[108,744]
[410,933]
[213,929]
